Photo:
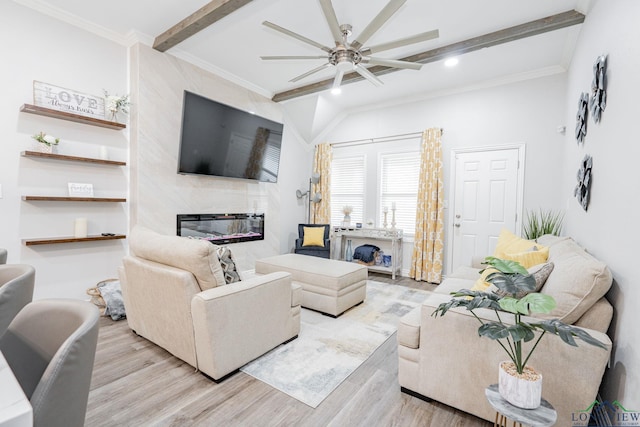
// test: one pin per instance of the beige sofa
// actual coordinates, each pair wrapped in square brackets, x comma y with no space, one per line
[175,296]
[444,359]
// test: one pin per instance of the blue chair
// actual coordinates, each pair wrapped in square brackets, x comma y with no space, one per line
[318,251]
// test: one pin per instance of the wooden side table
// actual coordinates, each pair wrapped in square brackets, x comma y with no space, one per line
[542,416]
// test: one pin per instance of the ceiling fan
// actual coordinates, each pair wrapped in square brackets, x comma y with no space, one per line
[351,55]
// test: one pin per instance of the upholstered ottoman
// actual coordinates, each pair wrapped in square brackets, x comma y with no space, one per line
[329,286]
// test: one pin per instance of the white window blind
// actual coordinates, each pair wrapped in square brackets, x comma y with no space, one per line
[399,173]
[347,188]
[270,163]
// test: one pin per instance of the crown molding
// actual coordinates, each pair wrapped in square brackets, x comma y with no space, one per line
[61,15]
[487,84]
[192,59]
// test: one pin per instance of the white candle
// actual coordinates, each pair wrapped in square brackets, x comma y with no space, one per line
[393,206]
[104,153]
[385,210]
[80,228]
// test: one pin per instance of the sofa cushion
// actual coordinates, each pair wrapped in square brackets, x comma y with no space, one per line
[199,257]
[577,281]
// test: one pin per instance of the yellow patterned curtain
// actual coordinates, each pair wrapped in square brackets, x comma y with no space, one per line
[321,211]
[426,262]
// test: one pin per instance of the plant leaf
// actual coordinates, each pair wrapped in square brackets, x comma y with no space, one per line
[567,332]
[512,283]
[493,330]
[505,265]
[539,303]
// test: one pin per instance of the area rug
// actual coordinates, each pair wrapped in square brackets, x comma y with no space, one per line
[328,350]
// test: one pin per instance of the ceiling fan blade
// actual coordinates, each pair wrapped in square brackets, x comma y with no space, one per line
[394,63]
[308,73]
[377,22]
[332,20]
[368,75]
[337,81]
[295,35]
[271,58]
[429,35]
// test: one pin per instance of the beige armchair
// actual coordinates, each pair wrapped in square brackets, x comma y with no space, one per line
[175,296]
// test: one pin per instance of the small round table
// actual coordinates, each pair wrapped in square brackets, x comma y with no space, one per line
[542,416]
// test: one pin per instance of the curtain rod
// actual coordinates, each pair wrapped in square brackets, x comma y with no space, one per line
[389,138]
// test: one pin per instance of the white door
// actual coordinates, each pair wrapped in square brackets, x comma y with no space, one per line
[487,197]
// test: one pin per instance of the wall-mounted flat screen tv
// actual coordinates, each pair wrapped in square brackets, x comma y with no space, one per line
[220,140]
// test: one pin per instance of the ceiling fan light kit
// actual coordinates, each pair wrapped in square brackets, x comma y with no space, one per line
[347,56]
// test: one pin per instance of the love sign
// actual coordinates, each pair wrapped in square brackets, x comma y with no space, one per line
[67,100]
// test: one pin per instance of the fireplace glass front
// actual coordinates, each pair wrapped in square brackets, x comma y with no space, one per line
[222,228]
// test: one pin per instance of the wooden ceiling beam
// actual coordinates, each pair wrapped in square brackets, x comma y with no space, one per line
[529,29]
[197,21]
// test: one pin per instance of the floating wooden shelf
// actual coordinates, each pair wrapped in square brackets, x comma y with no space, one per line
[72,158]
[48,112]
[58,240]
[72,199]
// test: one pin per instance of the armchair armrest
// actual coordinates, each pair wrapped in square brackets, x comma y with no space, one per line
[236,323]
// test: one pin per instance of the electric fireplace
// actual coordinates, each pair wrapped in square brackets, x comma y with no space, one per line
[222,228]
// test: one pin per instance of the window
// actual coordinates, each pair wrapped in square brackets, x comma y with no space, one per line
[399,174]
[347,188]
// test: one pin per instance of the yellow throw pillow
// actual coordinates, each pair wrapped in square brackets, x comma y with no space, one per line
[530,258]
[313,236]
[481,284]
[509,243]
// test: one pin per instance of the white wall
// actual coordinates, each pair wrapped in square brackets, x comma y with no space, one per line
[38,47]
[608,229]
[526,112]
[158,193]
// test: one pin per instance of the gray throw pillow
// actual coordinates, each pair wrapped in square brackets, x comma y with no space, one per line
[228,264]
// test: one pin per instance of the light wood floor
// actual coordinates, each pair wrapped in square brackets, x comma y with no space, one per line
[136,383]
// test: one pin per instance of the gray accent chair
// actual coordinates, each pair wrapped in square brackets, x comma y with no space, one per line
[50,347]
[3,256]
[16,291]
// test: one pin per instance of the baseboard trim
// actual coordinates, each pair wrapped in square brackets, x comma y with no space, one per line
[415,394]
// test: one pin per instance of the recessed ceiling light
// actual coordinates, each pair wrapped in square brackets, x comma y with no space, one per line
[451,62]
[336,91]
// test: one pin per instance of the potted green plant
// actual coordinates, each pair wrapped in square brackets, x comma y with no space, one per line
[47,143]
[518,383]
[541,223]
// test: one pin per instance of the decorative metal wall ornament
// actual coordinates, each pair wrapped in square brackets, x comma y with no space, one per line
[598,100]
[582,190]
[581,117]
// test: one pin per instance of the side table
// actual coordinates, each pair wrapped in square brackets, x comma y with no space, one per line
[542,416]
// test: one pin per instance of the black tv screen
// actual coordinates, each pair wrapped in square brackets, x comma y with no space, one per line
[220,140]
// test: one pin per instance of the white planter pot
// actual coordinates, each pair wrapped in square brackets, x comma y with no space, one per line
[48,149]
[523,392]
